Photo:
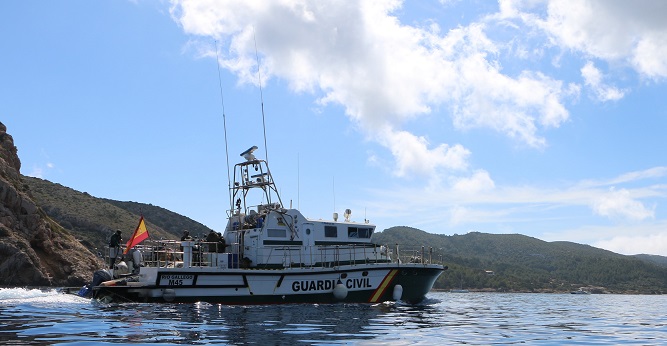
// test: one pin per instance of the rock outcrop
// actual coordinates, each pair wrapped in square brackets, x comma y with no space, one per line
[34,250]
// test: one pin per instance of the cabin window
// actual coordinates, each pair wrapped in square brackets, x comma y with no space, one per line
[331,231]
[359,232]
[276,233]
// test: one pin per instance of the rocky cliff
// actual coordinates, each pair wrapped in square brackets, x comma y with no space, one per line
[34,250]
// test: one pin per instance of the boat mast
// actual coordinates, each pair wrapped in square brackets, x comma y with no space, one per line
[224,124]
[261,98]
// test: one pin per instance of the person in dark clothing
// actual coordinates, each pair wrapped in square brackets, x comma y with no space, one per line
[212,239]
[186,236]
[221,243]
[114,247]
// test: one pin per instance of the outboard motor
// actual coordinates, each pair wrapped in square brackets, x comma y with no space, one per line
[98,277]
[120,269]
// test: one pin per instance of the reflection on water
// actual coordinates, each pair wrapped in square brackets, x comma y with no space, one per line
[47,317]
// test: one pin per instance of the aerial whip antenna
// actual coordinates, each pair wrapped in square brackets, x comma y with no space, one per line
[261,96]
[333,186]
[224,123]
[298,181]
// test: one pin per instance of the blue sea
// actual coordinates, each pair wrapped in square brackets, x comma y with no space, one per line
[46,317]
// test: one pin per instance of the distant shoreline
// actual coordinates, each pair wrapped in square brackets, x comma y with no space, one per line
[490,290]
[74,290]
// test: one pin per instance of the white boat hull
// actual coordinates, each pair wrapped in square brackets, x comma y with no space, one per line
[369,283]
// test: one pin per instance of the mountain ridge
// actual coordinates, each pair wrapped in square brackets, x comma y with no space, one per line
[93,219]
[527,264]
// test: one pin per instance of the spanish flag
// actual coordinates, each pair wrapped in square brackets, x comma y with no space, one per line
[140,234]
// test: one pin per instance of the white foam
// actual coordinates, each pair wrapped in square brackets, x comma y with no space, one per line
[11,296]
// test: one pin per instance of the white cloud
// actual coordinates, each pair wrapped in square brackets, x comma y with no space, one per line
[40,171]
[634,32]
[636,244]
[619,203]
[650,55]
[655,172]
[383,72]
[651,173]
[460,215]
[593,78]
[478,202]
[413,156]
[624,238]
[388,75]
[37,172]
[479,181]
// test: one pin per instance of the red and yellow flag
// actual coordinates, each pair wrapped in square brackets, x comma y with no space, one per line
[140,234]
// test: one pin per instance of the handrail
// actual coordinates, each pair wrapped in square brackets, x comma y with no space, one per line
[169,253]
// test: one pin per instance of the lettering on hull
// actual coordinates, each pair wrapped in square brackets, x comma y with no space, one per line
[176,280]
[327,285]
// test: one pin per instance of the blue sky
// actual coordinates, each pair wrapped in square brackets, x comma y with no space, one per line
[544,118]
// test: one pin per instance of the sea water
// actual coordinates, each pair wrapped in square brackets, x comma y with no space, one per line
[44,317]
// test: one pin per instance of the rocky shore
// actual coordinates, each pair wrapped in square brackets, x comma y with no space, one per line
[34,250]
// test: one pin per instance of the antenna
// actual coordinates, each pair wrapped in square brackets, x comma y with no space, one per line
[335,214]
[224,122]
[261,96]
[334,193]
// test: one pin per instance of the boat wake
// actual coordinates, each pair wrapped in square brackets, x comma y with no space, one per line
[429,301]
[37,296]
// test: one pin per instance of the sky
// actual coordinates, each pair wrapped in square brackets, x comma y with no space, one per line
[539,117]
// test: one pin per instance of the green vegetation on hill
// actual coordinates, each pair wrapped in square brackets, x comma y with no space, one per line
[170,222]
[658,260]
[514,262]
[93,220]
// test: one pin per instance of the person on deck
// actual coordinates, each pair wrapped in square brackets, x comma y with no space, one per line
[212,239]
[114,247]
[186,236]
[221,243]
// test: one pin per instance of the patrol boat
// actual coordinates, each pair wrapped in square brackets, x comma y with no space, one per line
[270,255]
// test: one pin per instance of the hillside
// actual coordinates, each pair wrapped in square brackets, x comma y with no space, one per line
[172,223]
[93,220]
[34,250]
[514,262]
[655,259]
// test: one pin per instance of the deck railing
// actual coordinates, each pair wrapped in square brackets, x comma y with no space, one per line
[170,253]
